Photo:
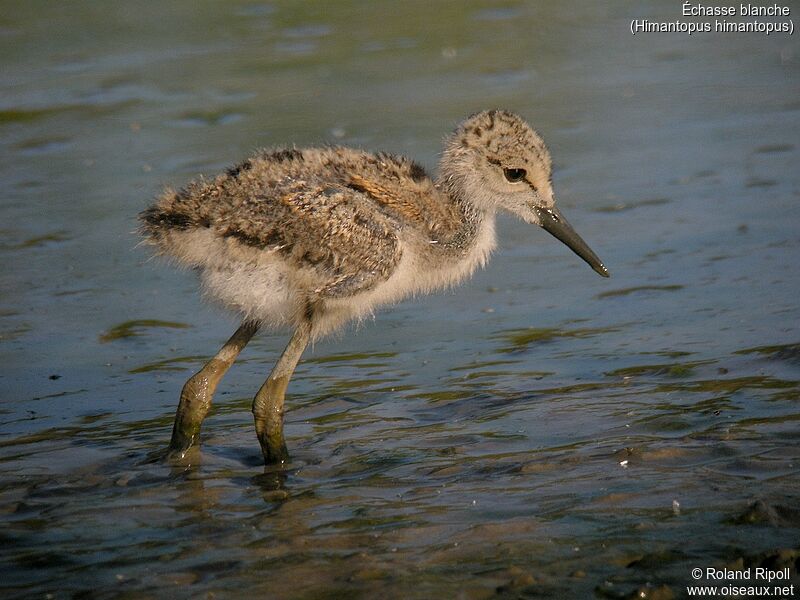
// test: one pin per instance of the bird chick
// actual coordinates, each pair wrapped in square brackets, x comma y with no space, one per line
[312,238]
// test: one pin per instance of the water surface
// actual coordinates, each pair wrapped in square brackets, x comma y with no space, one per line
[537,432]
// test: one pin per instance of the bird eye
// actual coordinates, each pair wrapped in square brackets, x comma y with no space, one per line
[514,175]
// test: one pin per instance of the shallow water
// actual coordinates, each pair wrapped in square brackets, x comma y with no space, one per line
[538,432]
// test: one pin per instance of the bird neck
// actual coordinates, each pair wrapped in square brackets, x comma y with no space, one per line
[472,222]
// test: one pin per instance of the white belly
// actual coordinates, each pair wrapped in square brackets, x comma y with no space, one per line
[261,286]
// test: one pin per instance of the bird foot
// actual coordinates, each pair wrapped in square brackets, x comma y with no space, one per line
[169,455]
[277,456]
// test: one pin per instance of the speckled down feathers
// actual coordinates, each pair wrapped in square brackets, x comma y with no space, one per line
[335,231]
[335,209]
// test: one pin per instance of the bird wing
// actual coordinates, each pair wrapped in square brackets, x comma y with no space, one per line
[328,229]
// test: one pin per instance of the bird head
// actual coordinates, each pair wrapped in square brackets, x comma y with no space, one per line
[495,160]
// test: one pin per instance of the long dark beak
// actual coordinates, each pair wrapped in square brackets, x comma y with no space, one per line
[556,225]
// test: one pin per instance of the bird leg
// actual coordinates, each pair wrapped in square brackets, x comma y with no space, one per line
[268,403]
[198,391]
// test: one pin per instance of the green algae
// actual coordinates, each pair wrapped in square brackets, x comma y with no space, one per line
[676,370]
[41,240]
[639,288]
[623,206]
[169,364]
[26,115]
[350,357]
[729,386]
[785,352]
[134,328]
[520,339]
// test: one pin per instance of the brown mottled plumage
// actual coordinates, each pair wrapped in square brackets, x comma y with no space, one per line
[313,237]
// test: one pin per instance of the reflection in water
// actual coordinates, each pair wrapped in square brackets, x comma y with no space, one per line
[475,445]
